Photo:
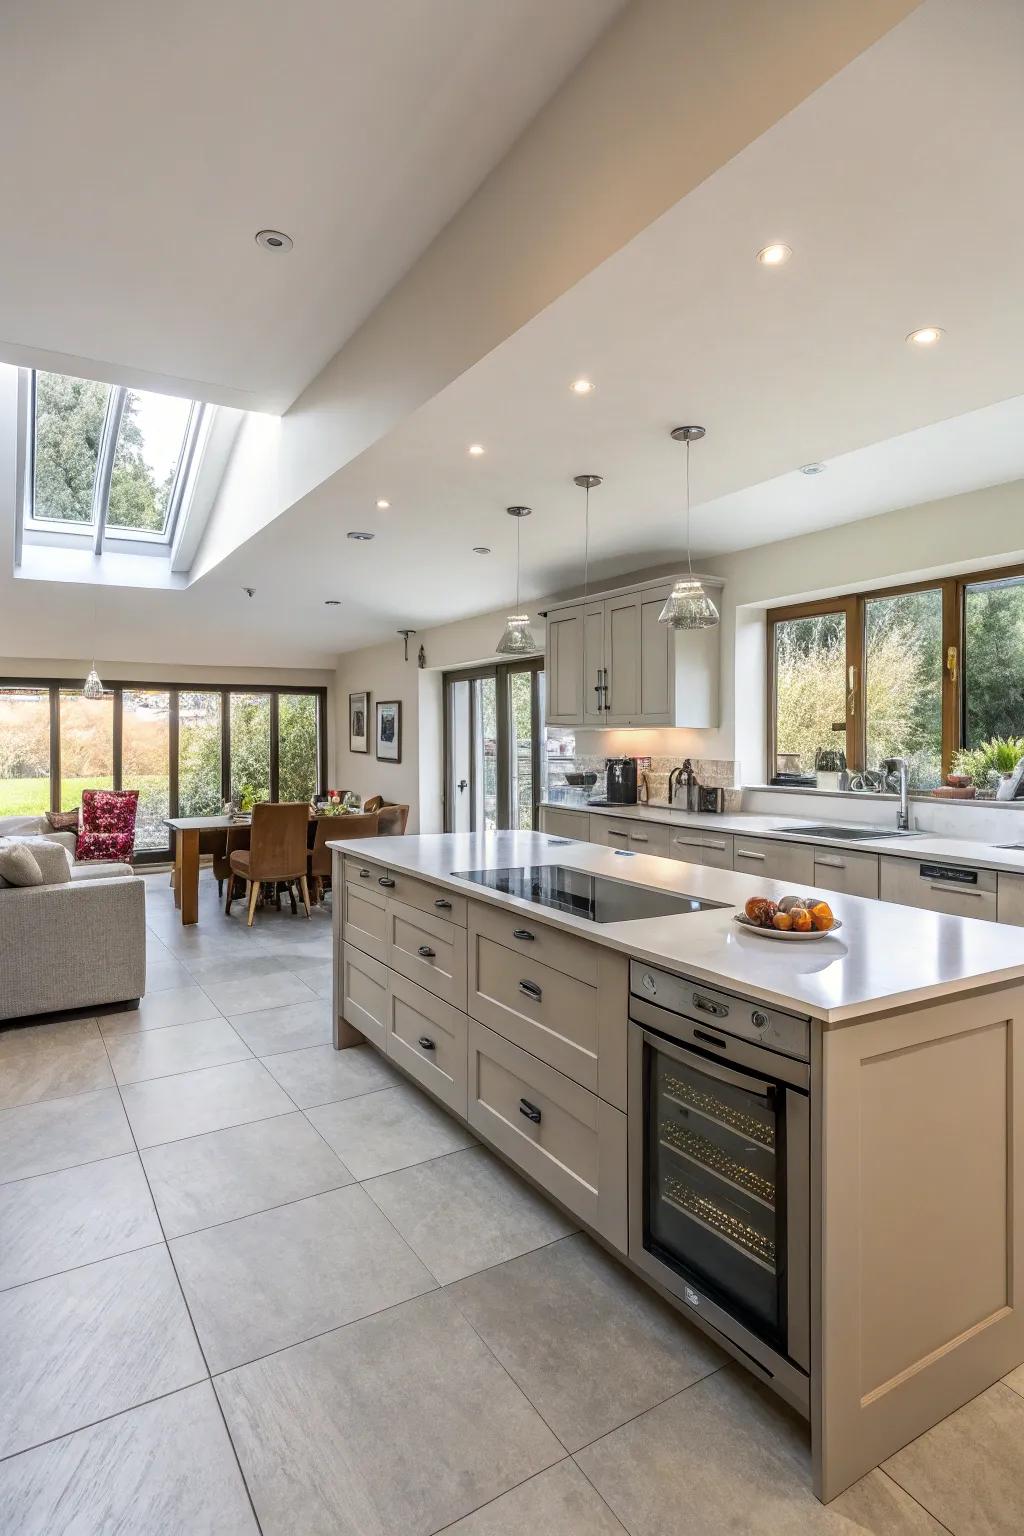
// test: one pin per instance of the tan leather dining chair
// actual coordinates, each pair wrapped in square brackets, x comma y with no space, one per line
[332,829]
[392,820]
[277,853]
[374,803]
[229,840]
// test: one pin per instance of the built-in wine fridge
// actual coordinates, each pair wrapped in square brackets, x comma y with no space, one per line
[719,1188]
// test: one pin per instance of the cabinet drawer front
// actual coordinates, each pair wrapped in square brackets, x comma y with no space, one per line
[575,824]
[361,873]
[365,994]
[774,860]
[535,942]
[552,1015]
[612,832]
[365,919]
[427,898]
[1011,898]
[650,837]
[428,1038]
[915,883]
[716,852]
[428,950]
[855,874]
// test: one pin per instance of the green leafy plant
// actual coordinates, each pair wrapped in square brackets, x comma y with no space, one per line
[990,760]
[247,796]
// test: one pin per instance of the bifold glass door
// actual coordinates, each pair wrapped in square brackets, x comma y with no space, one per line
[493,758]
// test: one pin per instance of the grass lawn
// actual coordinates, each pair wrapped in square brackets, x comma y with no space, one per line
[31,797]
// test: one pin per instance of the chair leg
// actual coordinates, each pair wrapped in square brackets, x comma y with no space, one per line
[231,892]
[291,897]
[304,888]
[252,891]
[220,887]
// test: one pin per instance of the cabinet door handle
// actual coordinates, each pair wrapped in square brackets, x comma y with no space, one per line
[386,882]
[426,1043]
[831,863]
[693,842]
[616,832]
[708,1005]
[425,952]
[530,989]
[960,890]
[364,874]
[529,1110]
[445,906]
[746,853]
[522,933]
[720,847]
[639,837]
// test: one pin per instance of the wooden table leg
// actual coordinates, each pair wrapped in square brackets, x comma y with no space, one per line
[176,872]
[186,866]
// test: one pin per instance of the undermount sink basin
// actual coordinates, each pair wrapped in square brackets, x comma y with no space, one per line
[844,834]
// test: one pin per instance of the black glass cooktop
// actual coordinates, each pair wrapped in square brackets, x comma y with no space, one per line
[589,896]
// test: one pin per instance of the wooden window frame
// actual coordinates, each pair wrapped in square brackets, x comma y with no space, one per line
[854,606]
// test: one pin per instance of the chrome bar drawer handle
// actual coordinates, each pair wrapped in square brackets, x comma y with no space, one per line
[444,905]
[522,933]
[529,1110]
[831,863]
[388,884]
[425,952]
[639,837]
[426,1043]
[945,889]
[747,853]
[719,846]
[531,990]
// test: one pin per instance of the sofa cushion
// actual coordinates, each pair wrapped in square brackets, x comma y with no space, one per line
[63,821]
[100,869]
[52,861]
[23,826]
[17,866]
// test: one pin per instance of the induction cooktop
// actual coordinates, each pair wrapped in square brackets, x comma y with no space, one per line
[593,897]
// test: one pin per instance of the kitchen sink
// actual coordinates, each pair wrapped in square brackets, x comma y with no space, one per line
[840,833]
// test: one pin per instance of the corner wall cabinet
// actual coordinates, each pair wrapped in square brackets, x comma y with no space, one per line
[610,662]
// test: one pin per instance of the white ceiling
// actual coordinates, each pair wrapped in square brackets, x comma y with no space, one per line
[896,184]
[359,129]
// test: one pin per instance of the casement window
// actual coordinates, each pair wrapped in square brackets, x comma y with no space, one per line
[917,672]
[494,746]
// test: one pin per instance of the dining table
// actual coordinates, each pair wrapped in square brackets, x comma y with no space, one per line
[186,831]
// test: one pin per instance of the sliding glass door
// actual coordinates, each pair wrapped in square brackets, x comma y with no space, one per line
[493,747]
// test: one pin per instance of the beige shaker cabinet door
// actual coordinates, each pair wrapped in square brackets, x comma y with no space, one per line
[427,1037]
[622,658]
[854,874]
[365,918]
[364,994]
[568,1140]
[427,950]
[536,941]
[564,666]
[434,899]
[1010,890]
[774,860]
[594,674]
[559,823]
[657,661]
[550,1014]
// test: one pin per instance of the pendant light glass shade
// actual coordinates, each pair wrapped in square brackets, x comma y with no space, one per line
[93,687]
[517,639]
[688,605]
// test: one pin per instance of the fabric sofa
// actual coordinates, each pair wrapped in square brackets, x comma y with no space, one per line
[37,826]
[80,944]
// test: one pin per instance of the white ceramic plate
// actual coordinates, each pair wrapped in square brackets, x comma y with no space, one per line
[784,933]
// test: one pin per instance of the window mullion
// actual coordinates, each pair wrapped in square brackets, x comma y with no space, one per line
[856,705]
[105,464]
[952,671]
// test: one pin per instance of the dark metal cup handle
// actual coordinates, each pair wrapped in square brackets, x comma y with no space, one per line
[529,1110]
[530,989]
[426,952]
[364,874]
[388,885]
[426,1043]
[444,905]
[522,933]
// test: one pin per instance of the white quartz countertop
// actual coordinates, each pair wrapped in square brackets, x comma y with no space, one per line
[884,957]
[922,845]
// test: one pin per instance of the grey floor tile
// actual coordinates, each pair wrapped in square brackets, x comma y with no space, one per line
[270,1280]
[83,1345]
[165,974]
[296,1026]
[57,1221]
[727,1455]
[465,1212]
[171,1108]
[380,1132]
[231,966]
[53,1036]
[60,1133]
[252,994]
[1016,1380]
[969,1470]
[226,1174]
[395,1426]
[165,1469]
[558,1502]
[317,974]
[590,1345]
[322,1075]
[38,1066]
[161,1010]
[180,1048]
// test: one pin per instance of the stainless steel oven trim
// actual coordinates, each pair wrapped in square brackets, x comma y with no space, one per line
[789,1379]
[756,1058]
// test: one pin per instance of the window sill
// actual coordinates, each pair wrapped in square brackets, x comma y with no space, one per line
[874,797]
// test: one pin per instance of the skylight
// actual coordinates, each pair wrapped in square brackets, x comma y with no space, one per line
[108,461]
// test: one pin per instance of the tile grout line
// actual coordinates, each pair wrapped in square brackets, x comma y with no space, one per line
[188,1313]
[941,1523]
[439,1530]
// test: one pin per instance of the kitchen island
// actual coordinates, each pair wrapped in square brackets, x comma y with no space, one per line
[809,1147]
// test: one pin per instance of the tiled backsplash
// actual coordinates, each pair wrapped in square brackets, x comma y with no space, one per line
[711,772]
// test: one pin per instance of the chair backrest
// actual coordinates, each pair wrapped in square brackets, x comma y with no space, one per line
[374,803]
[392,820]
[277,843]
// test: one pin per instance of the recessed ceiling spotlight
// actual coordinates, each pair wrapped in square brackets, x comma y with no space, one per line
[481,549]
[582,387]
[476,449]
[382,505]
[774,255]
[927,336]
[274,240]
[363,538]
[332,602]
[812,469]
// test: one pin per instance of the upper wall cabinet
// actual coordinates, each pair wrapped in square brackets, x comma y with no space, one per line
[611,663]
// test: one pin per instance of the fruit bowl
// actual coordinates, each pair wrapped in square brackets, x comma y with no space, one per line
[786,933]
[791,917]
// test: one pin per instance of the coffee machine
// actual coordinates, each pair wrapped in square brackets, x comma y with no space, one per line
[622,781]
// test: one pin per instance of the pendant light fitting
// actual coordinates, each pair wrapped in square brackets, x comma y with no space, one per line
[93,688]
[688,605]
[587,483]
[517,639]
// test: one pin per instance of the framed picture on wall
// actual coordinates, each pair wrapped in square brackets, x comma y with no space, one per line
[359,722]
[389,731]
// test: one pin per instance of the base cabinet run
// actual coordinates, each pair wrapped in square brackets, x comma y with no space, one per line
[404,950]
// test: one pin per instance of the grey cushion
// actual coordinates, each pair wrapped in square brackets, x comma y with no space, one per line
[17,865]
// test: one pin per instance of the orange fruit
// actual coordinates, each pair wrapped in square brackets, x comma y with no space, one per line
[801,920]
[821,916]
[782,920]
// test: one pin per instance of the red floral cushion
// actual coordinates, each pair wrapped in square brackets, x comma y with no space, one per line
[108,824]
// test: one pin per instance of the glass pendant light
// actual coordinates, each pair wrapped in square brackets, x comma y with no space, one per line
[586,483]
[688,605]
[517,639]
[93,688]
